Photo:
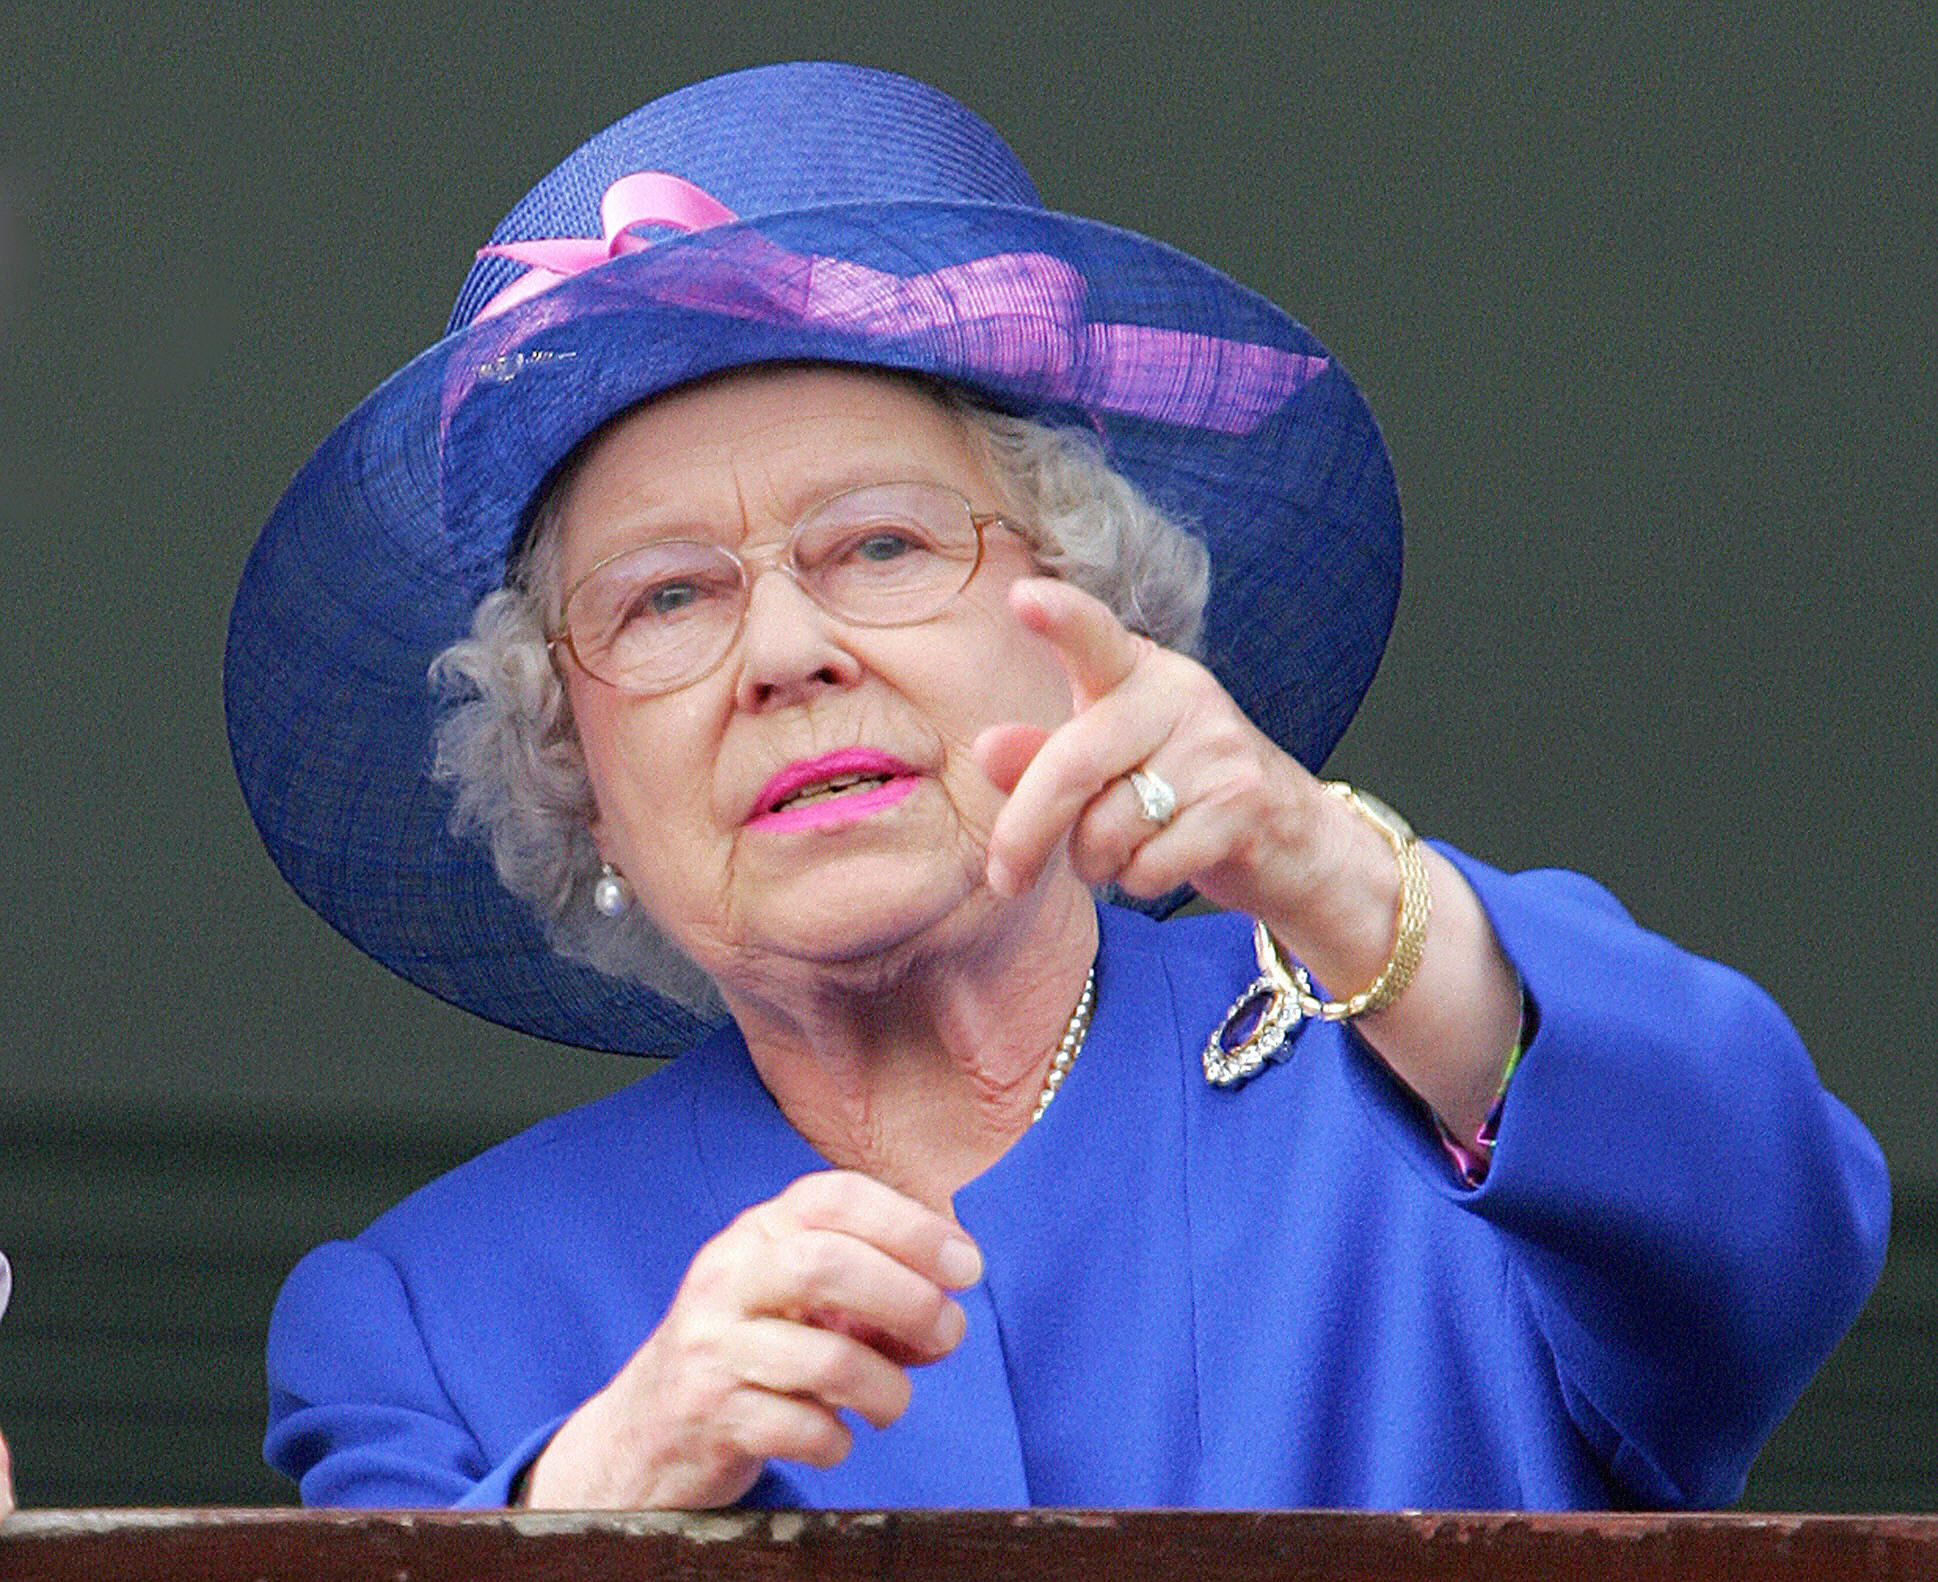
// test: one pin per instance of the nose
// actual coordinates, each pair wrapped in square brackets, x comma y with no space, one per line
[789,646]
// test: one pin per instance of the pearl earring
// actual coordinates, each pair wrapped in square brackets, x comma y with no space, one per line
[610,897]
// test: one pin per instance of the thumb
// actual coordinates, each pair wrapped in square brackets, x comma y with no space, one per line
[1003,752]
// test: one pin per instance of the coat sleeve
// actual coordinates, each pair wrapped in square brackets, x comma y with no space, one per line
[357,1413]
[1691,1221]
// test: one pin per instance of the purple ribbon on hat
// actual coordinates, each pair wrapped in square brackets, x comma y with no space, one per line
[1014,317]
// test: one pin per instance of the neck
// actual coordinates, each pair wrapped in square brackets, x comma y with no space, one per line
[924,1073]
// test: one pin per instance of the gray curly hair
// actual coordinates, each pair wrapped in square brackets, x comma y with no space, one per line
[507,747]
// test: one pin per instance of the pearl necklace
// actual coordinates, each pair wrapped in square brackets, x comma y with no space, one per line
[1070,1045]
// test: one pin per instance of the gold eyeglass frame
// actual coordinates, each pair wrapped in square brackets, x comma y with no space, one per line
[784,562]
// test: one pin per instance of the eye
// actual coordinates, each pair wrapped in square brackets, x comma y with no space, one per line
[884,544]
[666,598]
[673,596]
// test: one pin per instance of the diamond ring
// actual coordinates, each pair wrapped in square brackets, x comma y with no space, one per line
[1155,798]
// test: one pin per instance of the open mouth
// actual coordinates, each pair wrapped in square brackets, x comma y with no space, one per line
[842,786]
[826,790]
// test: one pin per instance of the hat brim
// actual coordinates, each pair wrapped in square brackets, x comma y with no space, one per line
[381,548]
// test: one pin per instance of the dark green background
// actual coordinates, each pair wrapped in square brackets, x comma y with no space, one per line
[1642,297]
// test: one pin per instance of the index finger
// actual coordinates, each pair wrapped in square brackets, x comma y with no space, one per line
[857,1205]
[1096,650]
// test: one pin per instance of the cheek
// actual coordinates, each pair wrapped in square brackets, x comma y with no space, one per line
[643,760]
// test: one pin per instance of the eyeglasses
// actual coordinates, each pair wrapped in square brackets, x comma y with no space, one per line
[654,618]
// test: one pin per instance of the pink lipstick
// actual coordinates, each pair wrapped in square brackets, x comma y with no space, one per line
[836,788]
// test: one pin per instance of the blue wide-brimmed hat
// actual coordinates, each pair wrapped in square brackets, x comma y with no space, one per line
[797,212]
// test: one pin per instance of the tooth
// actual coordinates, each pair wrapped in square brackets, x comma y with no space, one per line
[821,790]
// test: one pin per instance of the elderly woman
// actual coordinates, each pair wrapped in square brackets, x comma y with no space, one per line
[808,537]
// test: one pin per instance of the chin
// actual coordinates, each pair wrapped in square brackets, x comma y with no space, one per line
[874,910]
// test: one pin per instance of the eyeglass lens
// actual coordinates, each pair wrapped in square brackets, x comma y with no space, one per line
[653,618]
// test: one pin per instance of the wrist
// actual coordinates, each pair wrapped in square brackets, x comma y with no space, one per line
[583,1465]
[1356,945]
[1411,911]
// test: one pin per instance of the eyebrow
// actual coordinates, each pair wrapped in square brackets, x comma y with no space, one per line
[661,524]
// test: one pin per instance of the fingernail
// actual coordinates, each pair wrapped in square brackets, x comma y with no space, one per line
[950,1326]
[960,1262]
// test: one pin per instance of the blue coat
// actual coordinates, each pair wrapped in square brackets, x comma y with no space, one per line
[1278,1295]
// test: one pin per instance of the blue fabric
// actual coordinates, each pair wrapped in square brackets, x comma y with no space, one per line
[1279,1295]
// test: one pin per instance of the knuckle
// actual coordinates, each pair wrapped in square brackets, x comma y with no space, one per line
[822,1198]
[839,1373]
[1224,735]
[1244,782]
[1095,856]
[808,1264]
[710,1274]
[762,1224]
[1092,763]
[808,1191]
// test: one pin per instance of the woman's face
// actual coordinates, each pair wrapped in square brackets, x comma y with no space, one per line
[713,800]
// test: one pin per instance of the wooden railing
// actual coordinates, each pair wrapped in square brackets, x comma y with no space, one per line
[902,1546]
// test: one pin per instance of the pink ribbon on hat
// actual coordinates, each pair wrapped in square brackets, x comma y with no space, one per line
[646,197]
[1013,316]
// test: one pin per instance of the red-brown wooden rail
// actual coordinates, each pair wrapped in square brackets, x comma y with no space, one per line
[960,1546]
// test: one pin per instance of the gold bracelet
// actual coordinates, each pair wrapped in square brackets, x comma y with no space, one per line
[1410,926]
